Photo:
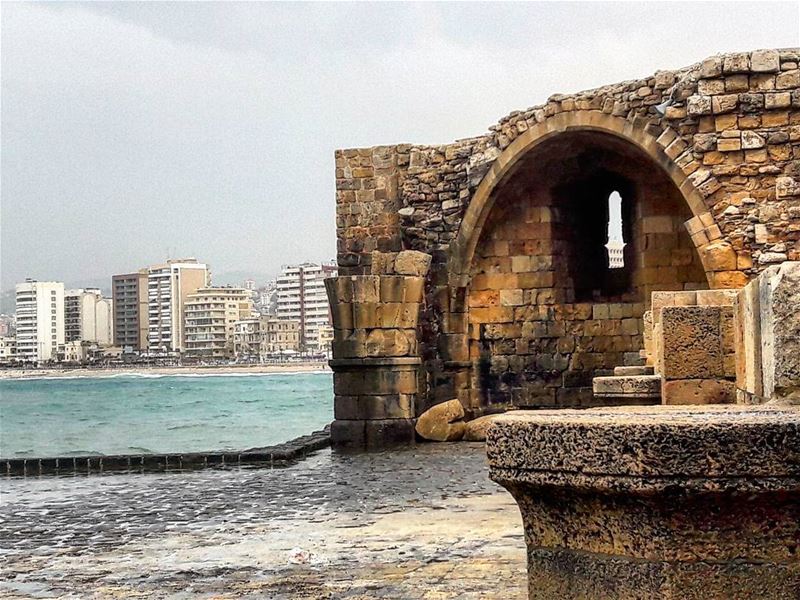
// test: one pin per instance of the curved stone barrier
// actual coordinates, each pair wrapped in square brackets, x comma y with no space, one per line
[678,502]
[280,455]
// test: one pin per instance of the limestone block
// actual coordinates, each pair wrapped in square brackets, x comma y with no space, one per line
[718,256]
[647,334]
[442,423]
[621,386]
[401,289]
[779,300]
[691,342]
[476,429]
[412,262]
[698,391]
[716,297]
[765,61]
[748,336]
[388,342]
[662,299]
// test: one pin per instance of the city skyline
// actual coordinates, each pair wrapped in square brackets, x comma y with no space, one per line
[136,131]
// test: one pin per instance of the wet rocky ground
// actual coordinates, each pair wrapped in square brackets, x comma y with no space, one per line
[419,523]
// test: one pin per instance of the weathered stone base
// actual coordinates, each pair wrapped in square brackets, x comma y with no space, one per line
[565,574]
[744,546]
[665,502]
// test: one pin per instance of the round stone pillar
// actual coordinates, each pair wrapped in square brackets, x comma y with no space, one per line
[655,502]
[375,361]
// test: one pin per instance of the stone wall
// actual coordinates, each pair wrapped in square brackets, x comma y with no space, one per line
[707,157]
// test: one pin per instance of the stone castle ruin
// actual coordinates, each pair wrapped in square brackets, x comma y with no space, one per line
[478,270]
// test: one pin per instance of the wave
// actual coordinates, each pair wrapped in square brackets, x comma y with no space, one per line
[140,375]
[140,450]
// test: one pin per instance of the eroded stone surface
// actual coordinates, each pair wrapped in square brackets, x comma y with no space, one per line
[419,523]
[657,502]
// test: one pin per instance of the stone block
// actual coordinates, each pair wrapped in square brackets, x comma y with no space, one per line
[442,423]
[365,288]
[765,61]
[476,428]
[779,303]
[698,391]
[342,315]
[349,434]
[401,289]
[388,342]
[691,342]
[412,262]
[716,297]
[647,334]
[627,386]
[388,433]
[679,298]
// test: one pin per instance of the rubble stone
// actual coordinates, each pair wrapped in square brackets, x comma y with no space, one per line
[442,423]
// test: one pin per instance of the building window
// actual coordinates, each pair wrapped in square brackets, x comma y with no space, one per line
[616,242]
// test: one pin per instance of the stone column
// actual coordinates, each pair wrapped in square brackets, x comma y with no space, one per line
[375,360]
[678,502]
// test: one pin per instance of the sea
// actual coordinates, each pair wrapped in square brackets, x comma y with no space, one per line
[149,413]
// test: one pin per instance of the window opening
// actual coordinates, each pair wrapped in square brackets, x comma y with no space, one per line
[615,245]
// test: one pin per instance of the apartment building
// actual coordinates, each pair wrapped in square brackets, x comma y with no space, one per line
[40,320]
[8,349]
[211,314]
[129,293]
[88,317]
[259,337]
[168,287]
[302,298]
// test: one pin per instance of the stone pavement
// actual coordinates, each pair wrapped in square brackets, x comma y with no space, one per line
[419,523]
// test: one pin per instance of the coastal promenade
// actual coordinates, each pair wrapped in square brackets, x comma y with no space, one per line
[287,367]
[424,522]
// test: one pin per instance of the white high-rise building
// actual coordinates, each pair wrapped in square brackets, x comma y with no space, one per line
[88,317]
[168,287]
[302,298]
[40,320]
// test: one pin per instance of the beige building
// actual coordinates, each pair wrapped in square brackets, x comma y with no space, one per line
[258,338]
[8,349]
[40,320]
[76,351]
[168,288]
[88,317]
[129,294]
[211,314]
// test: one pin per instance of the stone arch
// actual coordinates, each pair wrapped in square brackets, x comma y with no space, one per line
[662,150]
[500,325]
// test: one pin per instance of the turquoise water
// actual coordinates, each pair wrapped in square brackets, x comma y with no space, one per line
[127,414]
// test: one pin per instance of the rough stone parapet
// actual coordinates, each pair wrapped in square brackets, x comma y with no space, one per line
[655,502]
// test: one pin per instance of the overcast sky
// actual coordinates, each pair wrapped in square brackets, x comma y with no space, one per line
[134,131]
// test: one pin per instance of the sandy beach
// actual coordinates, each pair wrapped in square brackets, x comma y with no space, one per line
[143,370]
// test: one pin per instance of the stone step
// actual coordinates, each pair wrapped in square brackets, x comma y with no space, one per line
[627,386]
[630,370]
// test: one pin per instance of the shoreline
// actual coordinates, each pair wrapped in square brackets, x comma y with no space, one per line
[209,370]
